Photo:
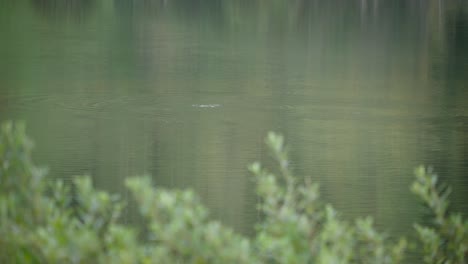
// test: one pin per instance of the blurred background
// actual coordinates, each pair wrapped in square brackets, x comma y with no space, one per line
[186,90]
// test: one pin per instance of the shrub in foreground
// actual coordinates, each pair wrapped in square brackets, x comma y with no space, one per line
[44,221]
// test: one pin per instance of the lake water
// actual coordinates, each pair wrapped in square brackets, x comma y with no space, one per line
[186,91]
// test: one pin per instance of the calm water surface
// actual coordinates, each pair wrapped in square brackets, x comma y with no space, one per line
[186,91]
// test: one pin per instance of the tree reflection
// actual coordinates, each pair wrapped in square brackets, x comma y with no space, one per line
[131,7]
[60,9]
[458,42]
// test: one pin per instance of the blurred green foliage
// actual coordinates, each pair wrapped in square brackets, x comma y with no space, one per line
[298,228]
[446,240]
[54,222]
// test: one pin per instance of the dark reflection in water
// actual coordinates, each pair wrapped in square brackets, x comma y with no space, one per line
[364,90]
[457,37]
[64,9]
[139,7]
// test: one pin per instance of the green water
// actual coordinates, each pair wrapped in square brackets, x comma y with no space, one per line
[186,91]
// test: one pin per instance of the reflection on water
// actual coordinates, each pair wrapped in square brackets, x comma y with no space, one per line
[63,9]
[186,91]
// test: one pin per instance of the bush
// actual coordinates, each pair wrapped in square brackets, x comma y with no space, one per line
[446,241]
[54,222]
[298,228]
